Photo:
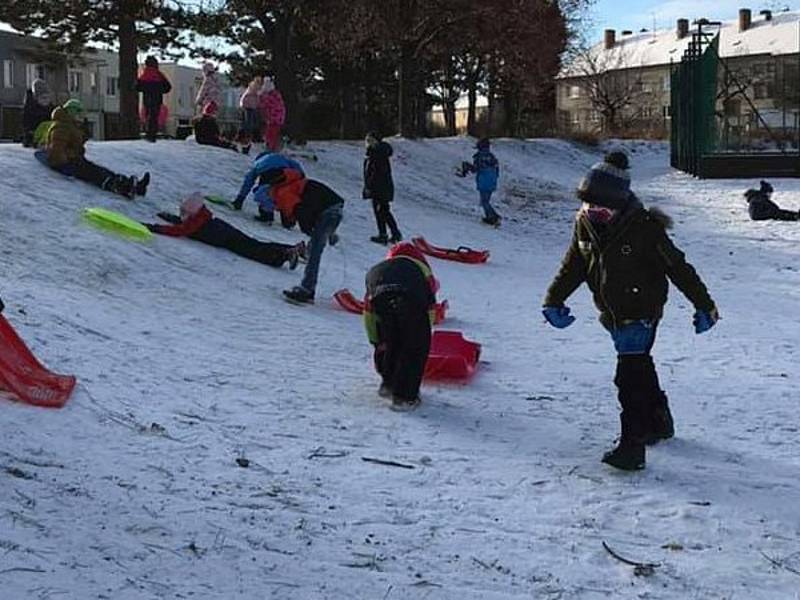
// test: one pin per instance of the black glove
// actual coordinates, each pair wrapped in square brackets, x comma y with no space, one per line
[150,227]
[237,204]
[169,217]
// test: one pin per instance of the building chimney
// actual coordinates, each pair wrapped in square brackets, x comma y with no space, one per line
[767,15]
[745,19]
[683,28]
[610,38]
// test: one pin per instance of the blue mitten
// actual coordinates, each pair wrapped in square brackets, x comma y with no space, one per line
[705,320]
[558,316]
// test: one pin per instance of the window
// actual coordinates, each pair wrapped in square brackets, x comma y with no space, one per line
[574,91]
[575,117]
[8,73]
[112,83]
[33,71]
[93,81]
[75,82]
[667,83]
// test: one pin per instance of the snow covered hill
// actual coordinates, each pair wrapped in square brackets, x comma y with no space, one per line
[188,359]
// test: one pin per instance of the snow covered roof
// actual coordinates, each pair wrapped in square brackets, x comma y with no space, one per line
[780,35]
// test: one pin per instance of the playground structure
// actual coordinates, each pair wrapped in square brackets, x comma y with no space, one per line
[721,127]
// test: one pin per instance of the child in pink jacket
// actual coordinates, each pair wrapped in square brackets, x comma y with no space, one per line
[251,114]
[273,113]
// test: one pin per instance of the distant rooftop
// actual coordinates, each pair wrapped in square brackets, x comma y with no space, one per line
[772,33]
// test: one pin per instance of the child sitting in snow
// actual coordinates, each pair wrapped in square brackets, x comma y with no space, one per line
[198,223]
[622,251]
[206,129]
[264,162]
[65,152]
[762,208]
[487,171]
[399,308]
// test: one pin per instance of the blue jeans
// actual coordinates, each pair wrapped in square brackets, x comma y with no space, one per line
[326,226]
[635,338]
[486,202]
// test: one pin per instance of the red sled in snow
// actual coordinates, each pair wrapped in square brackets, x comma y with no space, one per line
[25,377]
[451,357]
[353,305]
[461,254]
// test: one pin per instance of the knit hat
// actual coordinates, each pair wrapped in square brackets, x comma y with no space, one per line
[73,107]
[192,205]
[210,109]
[151,61]
[607,183]
[268,85]
[483,144]
[409,250]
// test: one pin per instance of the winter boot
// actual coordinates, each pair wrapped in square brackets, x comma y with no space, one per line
[140,187]
[333,239]
[237,204]
[119,185]
[292,256]
[385,391]
[265,216]
[661,425]
[404,404]
[396,237]
[299,295]
[379,239]
[627,456]
[493,220]
[246,149]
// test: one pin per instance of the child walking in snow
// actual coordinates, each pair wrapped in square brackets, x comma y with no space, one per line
[199,223]
[65,152]
[251,117]
[264,162]
[762,208]
[273,114]
[379,187]
[153,85]
[318,211]
[622,251]
[487,171]
[399,308]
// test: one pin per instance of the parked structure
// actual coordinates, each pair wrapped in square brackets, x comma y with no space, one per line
[624,82]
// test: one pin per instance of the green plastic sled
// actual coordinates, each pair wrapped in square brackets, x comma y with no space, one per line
[219,200]
[117,223]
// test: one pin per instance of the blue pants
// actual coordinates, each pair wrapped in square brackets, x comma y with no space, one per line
[635,338]
[486,203]
[326,226]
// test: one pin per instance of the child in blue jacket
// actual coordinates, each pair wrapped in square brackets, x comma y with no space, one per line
[487,172]
[266,161]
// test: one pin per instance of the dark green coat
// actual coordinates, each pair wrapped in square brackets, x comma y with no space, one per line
[626,268]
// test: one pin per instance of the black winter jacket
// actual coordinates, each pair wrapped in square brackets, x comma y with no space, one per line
[627,267]
[378,182]
[33,113]
[316,199]
[400,276]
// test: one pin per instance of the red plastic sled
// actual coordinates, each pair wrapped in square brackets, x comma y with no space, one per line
[353,305]
[452,356]
[461,254]
[24,376]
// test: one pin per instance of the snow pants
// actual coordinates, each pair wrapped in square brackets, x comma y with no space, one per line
[383,217]
[266,253]
[272,137]
[404,330]
[151,124]
[486,204]
[640,396]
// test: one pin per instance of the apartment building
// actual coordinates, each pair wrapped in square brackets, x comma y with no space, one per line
[631,71]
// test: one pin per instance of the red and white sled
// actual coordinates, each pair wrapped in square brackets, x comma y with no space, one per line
[452,357]
[25,377]
[351,304]
[462,254]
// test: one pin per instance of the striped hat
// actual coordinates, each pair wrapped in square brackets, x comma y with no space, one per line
[607,183]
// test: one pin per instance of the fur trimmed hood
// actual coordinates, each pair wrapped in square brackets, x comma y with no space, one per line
[661,217]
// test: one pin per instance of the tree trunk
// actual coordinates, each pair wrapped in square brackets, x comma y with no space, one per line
[347,105]
[450,117]
[128,96]
[285,78]
[472,107]
[406,91]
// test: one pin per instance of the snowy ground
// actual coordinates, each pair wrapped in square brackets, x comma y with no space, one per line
[188,359]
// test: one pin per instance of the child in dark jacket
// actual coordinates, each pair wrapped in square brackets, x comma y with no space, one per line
[206,129]
[622,251]
[487,171]
[37,109]
[318,211]
[762,208]
[379,187]
[398,314]
[153,85]
[198,223]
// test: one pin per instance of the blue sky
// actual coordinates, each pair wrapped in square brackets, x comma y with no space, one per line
[636,14]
